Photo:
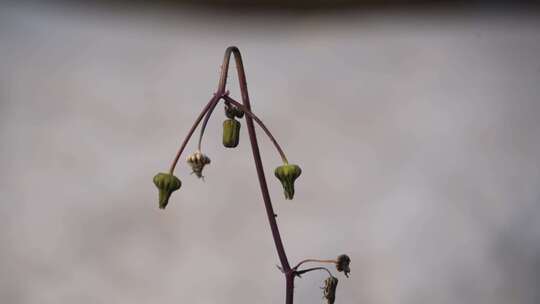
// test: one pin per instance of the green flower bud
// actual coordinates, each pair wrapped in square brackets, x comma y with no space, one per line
[231,133]
[197,161]
[342,264]
[287,174]
[167,184]
[329,289]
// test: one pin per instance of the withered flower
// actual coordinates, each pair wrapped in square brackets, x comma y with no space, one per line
[329,289]
[197,161]
[342,264]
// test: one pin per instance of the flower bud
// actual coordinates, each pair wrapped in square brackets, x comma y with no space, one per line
[167,184]
[342,264]
[329,289]
[197,161]
[231,133]
[287,174]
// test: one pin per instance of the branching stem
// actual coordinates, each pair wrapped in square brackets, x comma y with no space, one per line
[246,107]
[190,132]
[261,124]
[289,273]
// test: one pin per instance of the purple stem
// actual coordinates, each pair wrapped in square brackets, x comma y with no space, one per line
[286,268]
[289,273]
[261,124]
[186,140]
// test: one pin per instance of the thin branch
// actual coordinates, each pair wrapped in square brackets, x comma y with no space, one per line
[195,124]
[205,122]
[221,89]
[301,272]
[260,123]
[314,261]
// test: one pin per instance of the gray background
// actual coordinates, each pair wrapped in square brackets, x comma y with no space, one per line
[417,132]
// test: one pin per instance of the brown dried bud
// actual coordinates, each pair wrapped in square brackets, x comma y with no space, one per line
[232,111]
[329,289]
[342,264]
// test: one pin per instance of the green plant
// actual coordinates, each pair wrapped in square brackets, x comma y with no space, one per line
[286,173]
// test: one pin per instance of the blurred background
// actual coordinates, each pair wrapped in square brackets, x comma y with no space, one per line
[417,126]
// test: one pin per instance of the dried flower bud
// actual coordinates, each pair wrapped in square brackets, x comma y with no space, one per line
[329,289]
[231,133]
[232,111]
[287,174]
[342,264]
[197,161]
[239,113]
[167,184]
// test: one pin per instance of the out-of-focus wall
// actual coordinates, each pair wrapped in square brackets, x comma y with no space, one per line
[418,133]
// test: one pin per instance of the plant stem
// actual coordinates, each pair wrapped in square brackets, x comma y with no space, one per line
[205,121]
[301,272]
[261,124]
[289,285]
[228,99]
[289,273]
[188,136]
[316,261]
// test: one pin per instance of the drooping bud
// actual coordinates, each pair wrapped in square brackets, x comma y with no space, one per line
[231,133]
[287,174]
[197,161]
[167,184]
[342,264]
[329,289]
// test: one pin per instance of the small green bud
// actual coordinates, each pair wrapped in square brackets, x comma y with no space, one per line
[167,184]
[231,133]
[342,264]
[287,174]
[197,161]
[329,289]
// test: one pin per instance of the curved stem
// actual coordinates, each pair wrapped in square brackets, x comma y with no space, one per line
[301,272]
[188,136]
[261,124]
[289,273]
[220,91]
[315,261]
[205,121]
